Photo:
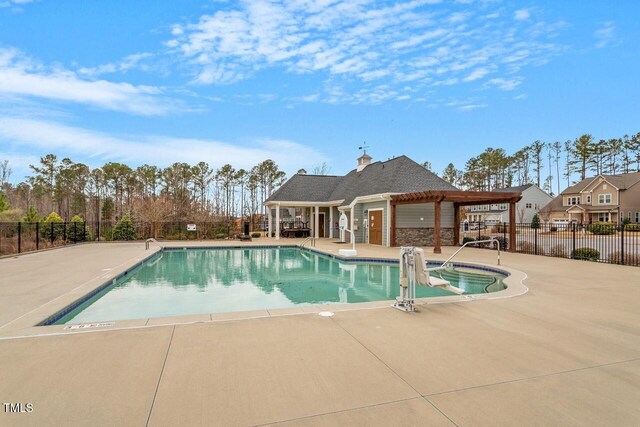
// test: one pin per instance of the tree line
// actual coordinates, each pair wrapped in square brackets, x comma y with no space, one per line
[548,165]
[180,192]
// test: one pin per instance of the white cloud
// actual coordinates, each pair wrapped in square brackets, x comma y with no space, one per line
[47,136]
[362,41]
[521,15]
[20,76]
[605,35]
[476,74]
[130,62]
[13,3]
[503,83]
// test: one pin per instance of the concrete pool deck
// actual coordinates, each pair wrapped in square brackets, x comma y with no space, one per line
[565,353]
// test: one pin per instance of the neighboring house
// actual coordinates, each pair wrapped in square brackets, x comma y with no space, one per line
[608,198]
[364,196]
[533,200]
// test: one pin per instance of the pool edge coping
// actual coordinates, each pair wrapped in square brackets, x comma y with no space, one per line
[514,283]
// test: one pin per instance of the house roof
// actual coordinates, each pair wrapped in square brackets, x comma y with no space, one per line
[398,175]
[622,181]
[518,189]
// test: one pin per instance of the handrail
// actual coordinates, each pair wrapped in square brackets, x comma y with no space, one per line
[308,238]
[470,243]
[151,240]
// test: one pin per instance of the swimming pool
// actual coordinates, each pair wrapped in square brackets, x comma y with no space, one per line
[214,280]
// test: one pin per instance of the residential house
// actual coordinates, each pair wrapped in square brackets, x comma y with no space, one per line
[533,199]
[608,198]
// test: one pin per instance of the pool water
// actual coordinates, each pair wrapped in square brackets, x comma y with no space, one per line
[194,281]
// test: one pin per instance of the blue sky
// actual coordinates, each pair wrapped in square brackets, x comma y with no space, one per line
[304,82]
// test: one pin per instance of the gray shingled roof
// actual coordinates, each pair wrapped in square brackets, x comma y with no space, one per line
[518,189]
[398,175]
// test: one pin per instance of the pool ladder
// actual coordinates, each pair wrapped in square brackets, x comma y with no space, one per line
[308,239]
[148,242]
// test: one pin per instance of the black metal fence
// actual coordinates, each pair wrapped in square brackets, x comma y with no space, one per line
[600,242]
[609,243]
[20,237]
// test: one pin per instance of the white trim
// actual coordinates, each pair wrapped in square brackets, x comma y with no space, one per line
[388,245]
[368,227]
[599,179]
[305,204]
[605,202]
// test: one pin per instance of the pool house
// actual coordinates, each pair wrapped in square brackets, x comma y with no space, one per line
[397,202]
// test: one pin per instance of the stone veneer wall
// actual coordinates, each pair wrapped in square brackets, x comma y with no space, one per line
[422,236]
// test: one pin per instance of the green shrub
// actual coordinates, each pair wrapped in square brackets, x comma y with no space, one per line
[632,227]
[535,221]
[124,229]
[586,254]
[81,233]
[31,215]
[629,259]
[52,227]
[256,235]
[602,228]
[221,236]
[4,203]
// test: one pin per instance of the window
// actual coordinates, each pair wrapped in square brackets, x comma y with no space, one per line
[604,199]
[528,205]
[588,200]
[629,216]
[637,216]
[621,216]
[603,217]
[573,201]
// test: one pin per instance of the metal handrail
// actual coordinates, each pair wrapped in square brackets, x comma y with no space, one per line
[151,240]
[309,238]
[444,264]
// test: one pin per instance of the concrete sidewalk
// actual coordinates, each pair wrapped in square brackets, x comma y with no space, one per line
[565,353]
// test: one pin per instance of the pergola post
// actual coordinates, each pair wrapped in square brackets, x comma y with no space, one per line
[277,222]
[437,241]
[456,224]
[316,223]
[512,227]
[393,224]
[270,220]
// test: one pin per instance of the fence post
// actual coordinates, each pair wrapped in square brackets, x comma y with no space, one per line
[75,232]
[504,235]
[19,237]
[622,244]
[51,233]
[478,230]
[37,235]
[535,241]
[573,250]
[64,233]
[98,230]
[84,231]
